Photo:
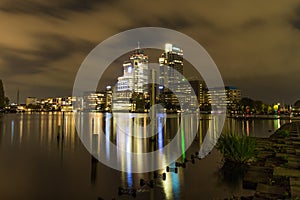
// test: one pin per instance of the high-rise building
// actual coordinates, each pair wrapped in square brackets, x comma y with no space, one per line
[199,88]
[170,61]
[171,77]
[139,61]
[131,88]
[108,98]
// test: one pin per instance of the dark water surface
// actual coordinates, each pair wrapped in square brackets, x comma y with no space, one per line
[35,164]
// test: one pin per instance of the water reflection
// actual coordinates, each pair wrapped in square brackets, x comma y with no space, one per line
[253,128]
[172,185]
[122,129]
[49,125]
[209,133]
[54,134]
[12,131]
[94,163]
[21,128]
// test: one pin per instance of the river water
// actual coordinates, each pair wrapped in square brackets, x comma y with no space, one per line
[36,162]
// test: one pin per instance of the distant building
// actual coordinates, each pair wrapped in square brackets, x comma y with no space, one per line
[57,104]
[31,101]
[94,101]
[229,96]
[199,88]
[109,96]
[233,97]
[67,104]
[49,104]
[216,98]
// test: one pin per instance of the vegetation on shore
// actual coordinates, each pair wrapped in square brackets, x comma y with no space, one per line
[282,133]
[236,149]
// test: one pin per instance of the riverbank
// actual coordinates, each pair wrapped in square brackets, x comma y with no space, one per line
[275,174]
[271,117]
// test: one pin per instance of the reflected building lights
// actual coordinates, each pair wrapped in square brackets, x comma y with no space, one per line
[73,133]
[3,131]
[135,123]
[243,128]
[66,126]
[12,131]
[182,140]
[171,185]
[252,127]
[22,131]
[175,185]
[21,128]
[107,135]
[211,137]
[160,134]
[28,126]
[247,128]
[41,135]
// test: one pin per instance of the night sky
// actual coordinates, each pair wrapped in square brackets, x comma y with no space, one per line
[255,44]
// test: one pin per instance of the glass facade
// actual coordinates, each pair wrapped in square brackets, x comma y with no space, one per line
[133,84]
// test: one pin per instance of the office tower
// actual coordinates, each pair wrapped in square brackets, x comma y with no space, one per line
[129,94]
[171,83]
[199,88]
[172,59]
[139,61]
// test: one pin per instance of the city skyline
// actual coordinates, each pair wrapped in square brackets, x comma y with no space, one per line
[156,55]
[253,44]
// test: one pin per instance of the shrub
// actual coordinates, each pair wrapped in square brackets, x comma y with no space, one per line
[237,149]
[282,133]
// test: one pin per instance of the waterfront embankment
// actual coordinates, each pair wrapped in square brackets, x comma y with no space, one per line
[275,173]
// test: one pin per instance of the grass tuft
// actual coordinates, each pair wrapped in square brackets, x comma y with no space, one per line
[236,149]
[282,133]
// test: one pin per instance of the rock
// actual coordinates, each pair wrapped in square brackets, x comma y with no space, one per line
[295,192]
[294,181]
[252,178]
[280,171]
[270,189]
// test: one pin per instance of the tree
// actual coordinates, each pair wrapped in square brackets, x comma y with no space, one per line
[297,104]
[258,106]
[6,101]
[2,95]
[247,102]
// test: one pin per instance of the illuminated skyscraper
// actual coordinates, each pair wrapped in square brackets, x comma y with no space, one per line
[170,81]
[172,58]
[139,61]
[133,85]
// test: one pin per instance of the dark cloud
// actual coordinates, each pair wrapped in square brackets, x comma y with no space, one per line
[253,23]
[56,8]
[295,19]
[248,40]
[174,22]
[51,48]
[31,7]
[83,5]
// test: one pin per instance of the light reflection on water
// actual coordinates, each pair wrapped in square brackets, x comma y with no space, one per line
[50,139]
